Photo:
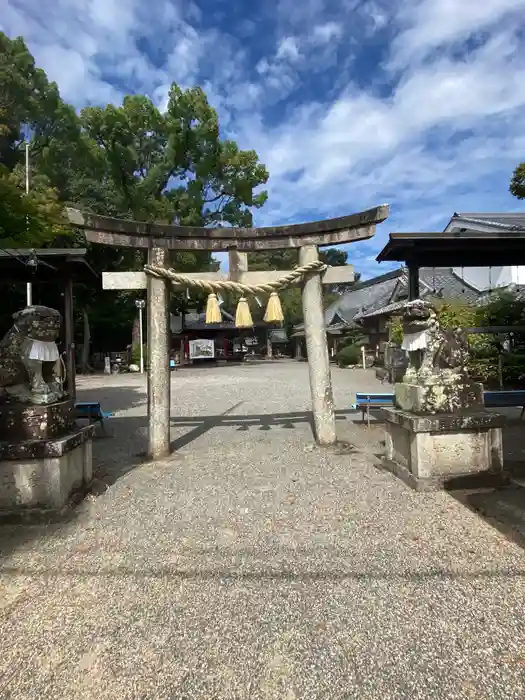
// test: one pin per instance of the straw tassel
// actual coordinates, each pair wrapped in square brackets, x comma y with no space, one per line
[274,310]
[213,310]
[243,316]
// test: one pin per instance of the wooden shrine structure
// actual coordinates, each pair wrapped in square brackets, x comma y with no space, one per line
[159,239]
[456,248]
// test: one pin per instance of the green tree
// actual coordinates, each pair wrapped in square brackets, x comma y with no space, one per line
[517,183]
[174,167]
[129,161]
[29,105]
[33,220]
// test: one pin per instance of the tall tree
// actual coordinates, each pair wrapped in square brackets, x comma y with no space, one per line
[130,161]
[174,167]
[29,105]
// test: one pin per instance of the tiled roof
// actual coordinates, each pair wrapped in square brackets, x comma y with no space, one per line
[375,296]
[376,291]
[508,222]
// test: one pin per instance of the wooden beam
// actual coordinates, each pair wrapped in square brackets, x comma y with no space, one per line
[342,274]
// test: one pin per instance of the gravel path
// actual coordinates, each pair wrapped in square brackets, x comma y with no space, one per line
[253,565]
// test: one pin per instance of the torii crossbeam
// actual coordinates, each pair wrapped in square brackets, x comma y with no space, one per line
[158,239]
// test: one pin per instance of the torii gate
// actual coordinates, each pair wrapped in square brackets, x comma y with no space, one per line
[158,239]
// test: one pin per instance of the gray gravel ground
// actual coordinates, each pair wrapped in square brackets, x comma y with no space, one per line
[253,565]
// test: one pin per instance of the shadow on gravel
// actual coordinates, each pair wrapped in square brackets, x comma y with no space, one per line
[125,447]
[225,573]
[503,509]
[265,421]
[115,457]
[111,456]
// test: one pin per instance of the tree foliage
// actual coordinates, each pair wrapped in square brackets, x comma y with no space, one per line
[29,104]
[32,220]
[129,161]
[517,183]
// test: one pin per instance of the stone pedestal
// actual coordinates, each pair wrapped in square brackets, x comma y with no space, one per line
[41,475]
[433,451]
[20,422]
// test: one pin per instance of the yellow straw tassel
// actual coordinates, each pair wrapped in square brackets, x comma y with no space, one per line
[213,310]
[274,310]
[243,316]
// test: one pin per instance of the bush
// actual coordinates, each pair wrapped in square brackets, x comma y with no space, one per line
[135,354]
[395,330]
[349,355]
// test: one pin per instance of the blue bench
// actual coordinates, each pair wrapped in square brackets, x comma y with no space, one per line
[366,401]
[505,399]
[493,399]
[93,412]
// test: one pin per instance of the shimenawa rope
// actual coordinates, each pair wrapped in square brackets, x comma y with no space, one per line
[243,319]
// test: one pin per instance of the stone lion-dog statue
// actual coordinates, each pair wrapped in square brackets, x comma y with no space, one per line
[435,354]
[31,370]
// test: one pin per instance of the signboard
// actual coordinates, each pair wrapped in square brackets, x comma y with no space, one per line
[201,349]
[278,335]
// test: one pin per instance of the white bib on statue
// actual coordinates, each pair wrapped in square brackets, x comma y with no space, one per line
[45,351]
[414,341]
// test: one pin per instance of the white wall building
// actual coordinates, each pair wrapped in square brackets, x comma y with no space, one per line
[487,278]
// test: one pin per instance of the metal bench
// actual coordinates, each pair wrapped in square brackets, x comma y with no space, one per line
[505,399]
[366,401]
[492,399]
[92,411]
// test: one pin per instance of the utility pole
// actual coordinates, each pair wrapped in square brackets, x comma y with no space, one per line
[29,286]
[140,304]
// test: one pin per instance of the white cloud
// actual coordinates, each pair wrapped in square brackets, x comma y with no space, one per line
[288,49]
[429,24]
[329,31]
[433,129]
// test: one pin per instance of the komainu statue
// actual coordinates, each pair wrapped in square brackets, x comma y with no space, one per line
[435,355]
[31,370]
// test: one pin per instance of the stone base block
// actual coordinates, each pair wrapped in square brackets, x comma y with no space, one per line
[44,474]
[21,422]
[431,399]
[433,452]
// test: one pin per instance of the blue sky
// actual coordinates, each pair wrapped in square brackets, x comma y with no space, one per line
[349,103]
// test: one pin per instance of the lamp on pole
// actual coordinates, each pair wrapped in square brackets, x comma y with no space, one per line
[29,286]
[140,304]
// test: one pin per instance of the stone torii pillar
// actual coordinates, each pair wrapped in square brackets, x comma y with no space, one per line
[159,385]
[315,331]
[159,239]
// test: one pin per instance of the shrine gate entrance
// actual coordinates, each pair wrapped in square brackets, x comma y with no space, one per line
[159,239]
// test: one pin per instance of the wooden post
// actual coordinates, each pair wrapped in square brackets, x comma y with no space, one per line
[413,282]
[69,332]
[317,351]
[158,360]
